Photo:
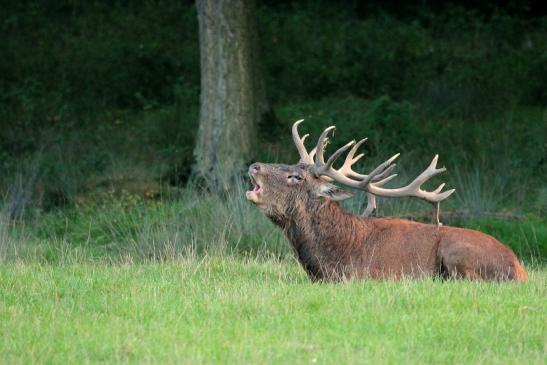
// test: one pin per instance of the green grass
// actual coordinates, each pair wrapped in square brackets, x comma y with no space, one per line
[229,310]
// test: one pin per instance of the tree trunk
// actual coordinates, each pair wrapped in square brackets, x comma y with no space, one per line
[233,97]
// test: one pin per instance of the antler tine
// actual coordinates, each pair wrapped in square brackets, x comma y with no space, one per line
[312,153]
[371,198]
[387,171]
[383,169]
[350,161]
[385,180]
[321,142]
[371,204]
[325,168]
[337,154]
[439,188]
[432,170]
[299,142]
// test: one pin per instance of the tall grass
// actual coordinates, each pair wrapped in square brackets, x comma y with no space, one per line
[130,228]
[14,238]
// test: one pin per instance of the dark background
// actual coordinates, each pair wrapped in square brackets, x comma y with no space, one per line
[99,100]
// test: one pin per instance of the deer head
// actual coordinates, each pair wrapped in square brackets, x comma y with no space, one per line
[280,189]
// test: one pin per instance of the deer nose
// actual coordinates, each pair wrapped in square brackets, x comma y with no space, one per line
[254,168]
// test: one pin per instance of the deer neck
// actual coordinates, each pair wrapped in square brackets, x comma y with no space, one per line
[321,239]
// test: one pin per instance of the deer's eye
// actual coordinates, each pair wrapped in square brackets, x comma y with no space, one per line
[294,178]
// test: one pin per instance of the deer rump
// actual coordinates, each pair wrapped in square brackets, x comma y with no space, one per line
[332,244]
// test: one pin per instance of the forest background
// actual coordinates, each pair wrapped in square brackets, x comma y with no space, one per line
[99,111]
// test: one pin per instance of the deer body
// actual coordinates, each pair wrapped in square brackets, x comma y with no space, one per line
[332,244]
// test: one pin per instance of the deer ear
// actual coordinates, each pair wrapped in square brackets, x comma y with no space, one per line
[333,192]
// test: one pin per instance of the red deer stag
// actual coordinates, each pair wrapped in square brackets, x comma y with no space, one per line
[332,244]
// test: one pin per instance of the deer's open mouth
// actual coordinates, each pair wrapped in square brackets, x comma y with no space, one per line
[254,195]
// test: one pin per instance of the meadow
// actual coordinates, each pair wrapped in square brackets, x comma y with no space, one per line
[249,310]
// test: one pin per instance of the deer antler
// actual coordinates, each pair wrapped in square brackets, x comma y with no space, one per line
[373,181]
[345,169]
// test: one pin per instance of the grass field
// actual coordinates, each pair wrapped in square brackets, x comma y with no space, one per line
[112,251]
[235,310]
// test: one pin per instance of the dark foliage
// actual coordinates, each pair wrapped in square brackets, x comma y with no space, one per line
[89,86]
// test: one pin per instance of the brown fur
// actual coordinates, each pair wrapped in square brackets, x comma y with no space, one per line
[332,244]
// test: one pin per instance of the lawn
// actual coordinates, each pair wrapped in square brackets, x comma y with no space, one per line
[236,310]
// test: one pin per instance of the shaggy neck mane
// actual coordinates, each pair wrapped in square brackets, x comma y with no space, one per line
[325,239]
